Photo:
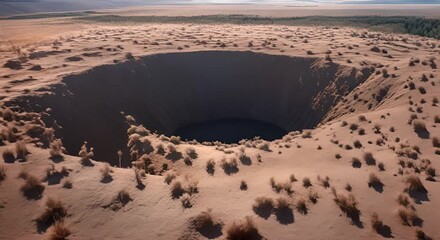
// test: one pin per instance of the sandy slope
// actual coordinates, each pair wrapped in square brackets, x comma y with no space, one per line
[154,214]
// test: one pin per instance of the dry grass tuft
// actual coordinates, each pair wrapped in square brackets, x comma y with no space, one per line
[278,186]
[206,222]
[169,177]
[348,205]
[243,230]
[56,149]
[21,150]
[243,185]
[210,166]
[381,166]
[230,166]
[186,200]
[54,211]
[369,158]
[376,223]
[374,180]
[2,173]
[177,189]
[292,178]
[67,184]
[325,182]
[435,142]
[86,155]
[306,182]
[105,173]
[403,200]
[263,206]
[301,206]
[356,162]
[32,187]
[8,155]
[420,235]
[407,216]
[59,231]
[313,196]
[419,126]
[415,184]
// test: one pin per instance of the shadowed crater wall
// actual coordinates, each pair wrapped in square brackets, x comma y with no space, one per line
[176,92]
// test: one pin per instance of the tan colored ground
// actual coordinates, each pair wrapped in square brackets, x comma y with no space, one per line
[318,9]
[154,214]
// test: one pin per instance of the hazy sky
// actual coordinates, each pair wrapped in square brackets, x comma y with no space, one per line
[309,1]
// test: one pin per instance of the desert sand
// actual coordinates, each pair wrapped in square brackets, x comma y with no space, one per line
[359,161]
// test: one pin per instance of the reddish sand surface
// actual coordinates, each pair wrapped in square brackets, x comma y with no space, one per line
[376,141]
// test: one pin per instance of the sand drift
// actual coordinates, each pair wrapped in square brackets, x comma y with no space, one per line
[215,95]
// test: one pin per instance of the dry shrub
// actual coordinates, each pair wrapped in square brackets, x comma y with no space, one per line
[403,200]
[420,235]
[243,185]
[205,221]
[415,184]
[169,177]
[301,206]
[419,126]
[292,178]
[54,211]
[354,126]
[8,155]
[59,231]
[210,166]
[407,216]
[177,189]
[313,196]
[32,187]
[175,140]
[263,205]
[376,223]
[2,173]
[306,134]
[21,150]
[240,230]
[7,114]
[230,166]
[120,200]
[306,182]
[186,200]
[348,205]
[105,171]
[191,186]
[264,146]
[374,180]
[356,163]
[123,196]
[435,142]
[137,176]
[191,152]
[381,166]
[85,154]
[57,149]
[369,158]
[278,186]
[8,134]
[67,184]
[357,144]
[325,182]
